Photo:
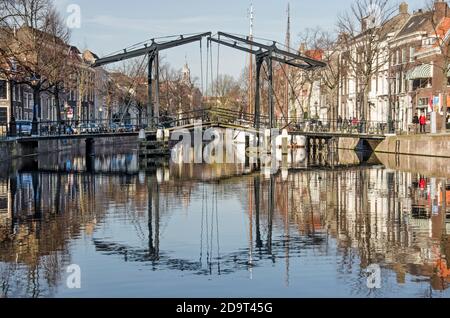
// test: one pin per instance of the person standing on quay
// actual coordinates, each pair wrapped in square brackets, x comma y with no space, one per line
[416,123]
[423,123]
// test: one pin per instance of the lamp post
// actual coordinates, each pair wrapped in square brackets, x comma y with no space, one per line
[12,119]
[390,117]
[316,106]
[35,81]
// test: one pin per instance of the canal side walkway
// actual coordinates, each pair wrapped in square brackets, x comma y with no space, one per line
[17,148]
[429,145]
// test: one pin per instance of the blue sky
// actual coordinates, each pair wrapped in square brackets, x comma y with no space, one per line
[108,26]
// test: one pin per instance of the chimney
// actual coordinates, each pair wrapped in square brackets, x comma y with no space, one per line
[403,8]
[441,10]
[302,48]
[364,25]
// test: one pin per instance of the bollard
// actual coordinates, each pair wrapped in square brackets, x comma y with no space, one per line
[247,148]
[267,143]
[142,136]
[159,135]
[166,135]
[285,142]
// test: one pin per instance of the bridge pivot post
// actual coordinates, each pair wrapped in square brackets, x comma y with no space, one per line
[153,106]
[259,62]
[150,114]
[271,109]
[156,105]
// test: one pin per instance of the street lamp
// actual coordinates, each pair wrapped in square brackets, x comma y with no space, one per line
[12,120]
[35,81]
[391,80]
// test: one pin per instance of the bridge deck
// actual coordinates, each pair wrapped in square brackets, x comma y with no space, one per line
[337,134]
[204,125]
[80,136]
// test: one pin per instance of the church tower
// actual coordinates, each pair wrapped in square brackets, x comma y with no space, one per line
[186,73]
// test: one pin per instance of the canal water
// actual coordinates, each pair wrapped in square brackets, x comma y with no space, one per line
[313,229]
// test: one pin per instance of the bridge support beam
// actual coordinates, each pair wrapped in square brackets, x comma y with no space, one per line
[271,109]
[153,105]
[259,61]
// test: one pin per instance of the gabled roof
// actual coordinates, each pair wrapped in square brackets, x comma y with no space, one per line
[394,24]
[420,21]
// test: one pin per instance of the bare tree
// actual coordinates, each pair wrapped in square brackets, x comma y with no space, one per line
[331,74]
[33,45]
[441,27]
[223,85]
[362,30]
[61,58]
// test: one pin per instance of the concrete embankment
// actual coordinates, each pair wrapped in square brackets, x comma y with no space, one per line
[417,145]
[13,149]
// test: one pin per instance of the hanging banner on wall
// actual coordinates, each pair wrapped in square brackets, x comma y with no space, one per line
[437,103]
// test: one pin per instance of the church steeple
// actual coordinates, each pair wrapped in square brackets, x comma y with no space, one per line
[186,72]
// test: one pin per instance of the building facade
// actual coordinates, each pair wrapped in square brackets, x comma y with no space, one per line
[411,73]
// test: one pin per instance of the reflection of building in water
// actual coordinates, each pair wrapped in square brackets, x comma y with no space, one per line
[125,162]
[47,211]
[5,201]
[371,212]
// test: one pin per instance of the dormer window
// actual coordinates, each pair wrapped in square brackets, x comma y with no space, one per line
[429,41]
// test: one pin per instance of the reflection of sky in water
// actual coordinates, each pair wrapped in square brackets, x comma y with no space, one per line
[209,239]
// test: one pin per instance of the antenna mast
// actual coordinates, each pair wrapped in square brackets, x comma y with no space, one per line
[288,45]
[250,88]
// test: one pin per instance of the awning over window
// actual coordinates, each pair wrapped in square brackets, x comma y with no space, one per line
[422,71]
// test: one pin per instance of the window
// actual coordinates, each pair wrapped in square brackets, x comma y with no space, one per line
[412,52]
[428,41]
[421,83]
[404,60]
[25,100]
[423,101]
[30,101]
[3,89]
[3,115]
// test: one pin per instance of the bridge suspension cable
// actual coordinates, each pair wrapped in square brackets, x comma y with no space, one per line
[208,49]
[218,66]
[132,88]
[292,87]
[275,95]
[201,66]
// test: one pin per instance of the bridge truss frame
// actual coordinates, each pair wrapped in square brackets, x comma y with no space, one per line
[264,54]
[268,54]
[152,52]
